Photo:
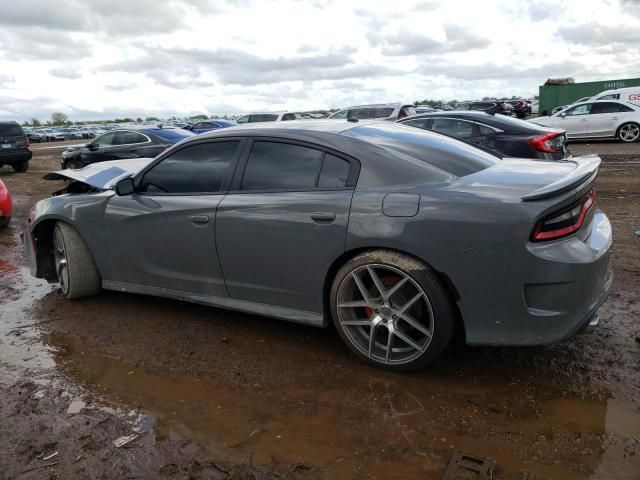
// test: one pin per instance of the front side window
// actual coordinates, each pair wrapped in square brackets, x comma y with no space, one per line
[382,112]
[360,113]
[340,115]
[289,116]
[243,119]
[200,168]
[128,138]
[281,166]
[417,122]
[452,127]
[105,140]
[579,110]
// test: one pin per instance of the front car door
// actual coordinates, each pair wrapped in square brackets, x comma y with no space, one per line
[575,120]
[163,236]
[98,150]
[284,223]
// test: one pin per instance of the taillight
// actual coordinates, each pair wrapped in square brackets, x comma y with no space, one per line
[544,142]
[26,142]
[564,222]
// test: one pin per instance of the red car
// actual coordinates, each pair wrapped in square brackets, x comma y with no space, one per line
[6,205]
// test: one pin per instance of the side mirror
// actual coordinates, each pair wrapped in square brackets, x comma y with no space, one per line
[93,147]
[563,114]
[126,186]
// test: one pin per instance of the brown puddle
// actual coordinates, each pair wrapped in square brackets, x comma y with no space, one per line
[378,426]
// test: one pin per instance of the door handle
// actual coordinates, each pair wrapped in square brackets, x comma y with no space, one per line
[199,219]
[327,217]
[614,118]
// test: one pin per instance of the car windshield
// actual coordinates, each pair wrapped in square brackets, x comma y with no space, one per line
[444,153]
[171,135]
[10,130]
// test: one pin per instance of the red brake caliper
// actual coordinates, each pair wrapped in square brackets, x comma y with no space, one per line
[368,312]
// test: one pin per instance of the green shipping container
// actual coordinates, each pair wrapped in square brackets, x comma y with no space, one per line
[552,96]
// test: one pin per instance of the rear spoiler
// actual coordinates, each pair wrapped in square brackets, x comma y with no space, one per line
[586,170]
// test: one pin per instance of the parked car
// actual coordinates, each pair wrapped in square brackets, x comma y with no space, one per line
[599,119]
[123,144]
[52,135]
[562,107]
[71,133]
[14,147]
[507,136]
[394,233]
[266,117]
[491,107]
[208,125]
[423,109]
[6,205]
[535,107]
[383,111]
[520,108]
[34,136]
[628,94]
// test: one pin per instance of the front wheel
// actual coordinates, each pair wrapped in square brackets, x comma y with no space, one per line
[629,132]
[76,270]
[391,310]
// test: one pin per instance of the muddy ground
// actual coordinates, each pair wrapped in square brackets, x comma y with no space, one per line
[209,393]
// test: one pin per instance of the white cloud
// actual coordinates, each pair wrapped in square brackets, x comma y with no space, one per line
[102,58]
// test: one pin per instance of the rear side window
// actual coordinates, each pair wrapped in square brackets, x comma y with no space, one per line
[289,116]
[281,166]
[200,168]
[10,130]
[447,154]
[264,117]
[452,127]
[361,113]
[334,173]
[609,107]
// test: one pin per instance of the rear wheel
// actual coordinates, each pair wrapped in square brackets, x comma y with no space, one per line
[20,167]
[391,310]
[74,264]
[629,132]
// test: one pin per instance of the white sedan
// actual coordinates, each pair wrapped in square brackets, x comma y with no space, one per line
[597,119]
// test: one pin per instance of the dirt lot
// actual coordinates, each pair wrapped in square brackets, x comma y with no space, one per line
[209,393]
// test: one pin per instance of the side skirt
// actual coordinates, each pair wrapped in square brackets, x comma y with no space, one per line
[283,313]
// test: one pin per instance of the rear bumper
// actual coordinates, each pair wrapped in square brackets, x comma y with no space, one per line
[523,293]
[15,157]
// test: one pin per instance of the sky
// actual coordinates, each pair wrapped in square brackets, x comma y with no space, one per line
[100,59]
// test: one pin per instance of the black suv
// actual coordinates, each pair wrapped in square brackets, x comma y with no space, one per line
[14,146]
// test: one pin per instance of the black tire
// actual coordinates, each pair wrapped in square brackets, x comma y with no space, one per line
[4,221]
[628,137]
[443,313]
[21,167]
[82,276]
[73,164]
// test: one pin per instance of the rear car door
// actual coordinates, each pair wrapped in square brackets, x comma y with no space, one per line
[457,128]
[164,235]
[284,222]
[605,118]
[128,144]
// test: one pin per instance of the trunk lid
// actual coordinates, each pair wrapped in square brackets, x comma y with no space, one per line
[12,138]
[102,175]
[524,180]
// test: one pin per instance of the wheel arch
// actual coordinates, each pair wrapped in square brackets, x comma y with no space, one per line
[449,286]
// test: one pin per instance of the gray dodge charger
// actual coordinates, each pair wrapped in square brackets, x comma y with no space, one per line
[397,235]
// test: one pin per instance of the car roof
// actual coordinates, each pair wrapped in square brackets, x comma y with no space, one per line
[263,113]
[378,105]
[499,121]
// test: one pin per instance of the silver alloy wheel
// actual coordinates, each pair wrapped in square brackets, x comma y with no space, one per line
[60,260]
[629,132]
[385,314]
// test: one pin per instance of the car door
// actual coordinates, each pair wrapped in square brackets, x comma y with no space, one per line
[575,120]
[164,234]
[457,128]
[98,150]
[284,222]
[605,118]
[127,144]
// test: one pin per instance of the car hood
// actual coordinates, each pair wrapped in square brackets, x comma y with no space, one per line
[73,148]
[540,120]
[102,175]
